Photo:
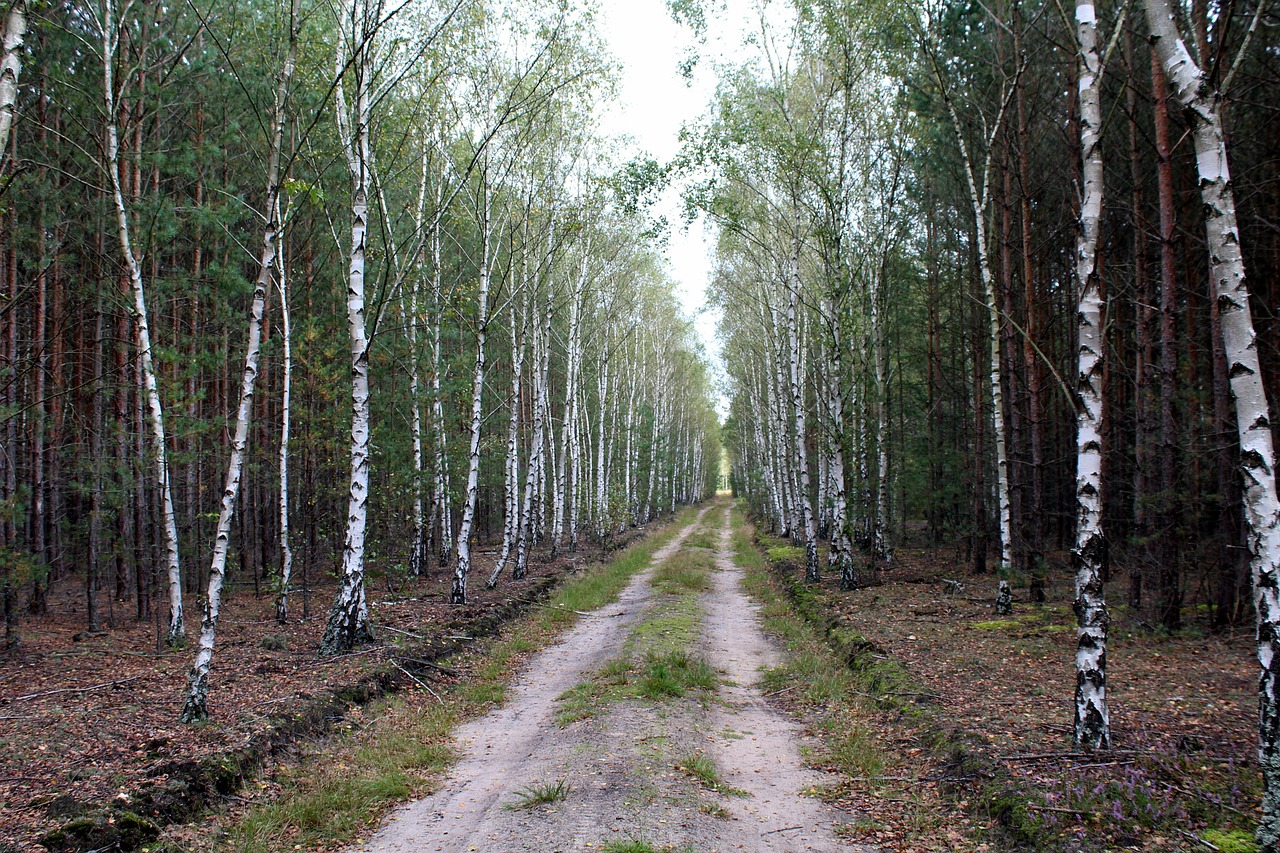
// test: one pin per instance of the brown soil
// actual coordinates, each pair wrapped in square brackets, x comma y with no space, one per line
[89,722]
[621,764]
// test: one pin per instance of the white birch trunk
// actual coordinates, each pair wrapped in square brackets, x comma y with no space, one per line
[196,706]
[286,550]
[176,632]
[601,491]
[1253,415]
[15,30]
[1092,722]
[418,556]
[841,548]
[880,353]
[511,484]
[349,617]
[978,197]
[797,407]
[462,552]
[442,508]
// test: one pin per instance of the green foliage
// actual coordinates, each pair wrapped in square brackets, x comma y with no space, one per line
[1231,840]
[540,794]
[701,767]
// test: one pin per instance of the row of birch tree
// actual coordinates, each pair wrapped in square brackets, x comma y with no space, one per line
[1000,253]
[296,289]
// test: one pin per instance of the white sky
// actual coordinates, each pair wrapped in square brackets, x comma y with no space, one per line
[654,102]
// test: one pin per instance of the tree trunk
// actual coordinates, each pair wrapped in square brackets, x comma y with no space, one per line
[462,554]
[811,572]
[1092,721]
[349,616]
[176,633]
[196,706]
[1169,576]
[1253,416]
[286,549]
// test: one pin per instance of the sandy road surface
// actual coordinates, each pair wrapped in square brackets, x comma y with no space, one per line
[621,764]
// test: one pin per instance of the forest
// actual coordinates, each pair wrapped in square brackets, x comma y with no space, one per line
[303,297]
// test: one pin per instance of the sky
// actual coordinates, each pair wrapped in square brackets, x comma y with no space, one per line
[654,102]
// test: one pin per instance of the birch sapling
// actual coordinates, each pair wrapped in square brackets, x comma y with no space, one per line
[286,332]
[979,198]
[1202,102]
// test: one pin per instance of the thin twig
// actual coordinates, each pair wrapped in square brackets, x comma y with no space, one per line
[1077,812]
[418,681]
[783,829]
[1196,838]
[62,690]
[406,633]
[447,670]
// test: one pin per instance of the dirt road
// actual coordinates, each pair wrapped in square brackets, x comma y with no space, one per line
[621,765]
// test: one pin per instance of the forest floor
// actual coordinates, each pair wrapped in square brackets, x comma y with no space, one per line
[90,721]
[652,725]
[978,709]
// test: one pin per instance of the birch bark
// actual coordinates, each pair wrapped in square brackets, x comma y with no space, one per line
[286,331]
[15,30]
[462,553]
[1092,721]
[809,526]
[196,706]
[1194,91]
[176,632]
[348,622]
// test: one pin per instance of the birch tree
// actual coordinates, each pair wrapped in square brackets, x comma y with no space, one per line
[1092,721]
[348,622]
[196,706]
[1202,102]
[15,30]
[110,29]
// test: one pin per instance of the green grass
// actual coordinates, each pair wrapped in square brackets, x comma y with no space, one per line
[683,571]
[333,795]
[337,792]
[700,538]
[674,673]
[540,795]
[814,672]
[702,768]
[655,664]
